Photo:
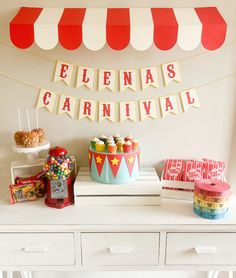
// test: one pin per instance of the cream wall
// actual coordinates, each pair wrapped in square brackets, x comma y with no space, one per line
[207,131]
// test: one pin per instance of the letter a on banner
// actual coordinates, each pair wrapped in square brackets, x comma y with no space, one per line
[46,99]
[149,77]
[63,72]
[168,105]
[128,80]
[87,109]
[107,111]
[171,72]
[189,99]
[106,79]
[147,109]
[127,111]
[67,105]
[85,77]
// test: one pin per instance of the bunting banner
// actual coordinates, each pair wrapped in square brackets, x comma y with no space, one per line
[115,161]
[111,111]
[99,160]
[130,161]
[90,157]
[171,72]
[122,79]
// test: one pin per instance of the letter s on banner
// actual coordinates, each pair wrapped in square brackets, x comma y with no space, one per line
[46,99]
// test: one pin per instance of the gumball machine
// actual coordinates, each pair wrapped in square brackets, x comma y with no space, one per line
[58,168]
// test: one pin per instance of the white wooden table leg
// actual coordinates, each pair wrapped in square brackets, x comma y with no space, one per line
[9,274]
[30,274]
[231,274]
[209,274]
[24,274]
[1,274]
[215,274]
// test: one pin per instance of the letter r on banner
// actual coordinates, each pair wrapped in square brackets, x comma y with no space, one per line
[46,99]
[63,72]
[87,109]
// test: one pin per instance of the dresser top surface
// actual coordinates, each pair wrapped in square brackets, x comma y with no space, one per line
[171,212]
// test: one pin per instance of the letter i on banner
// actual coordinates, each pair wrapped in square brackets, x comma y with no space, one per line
[149,77]
[63,72]
[128,80]
[85,77]
[107,111]
[168,105]
[127,111]
[147,109]
[87,109]
[67,105]
[189,99]
[106,79]
[46,99]
[171,72]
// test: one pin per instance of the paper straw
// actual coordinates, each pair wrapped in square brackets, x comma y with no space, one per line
[37,118]
[19,118]
[27,112]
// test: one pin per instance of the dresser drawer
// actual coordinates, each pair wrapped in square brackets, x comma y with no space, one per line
[201,249]
[37,249]
[120,249]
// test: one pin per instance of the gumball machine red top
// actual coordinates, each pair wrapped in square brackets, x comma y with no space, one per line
[58,168]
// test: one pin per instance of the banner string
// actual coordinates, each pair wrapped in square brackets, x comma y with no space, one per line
[51,59]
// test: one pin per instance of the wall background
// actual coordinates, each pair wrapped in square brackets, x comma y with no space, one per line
[209,131]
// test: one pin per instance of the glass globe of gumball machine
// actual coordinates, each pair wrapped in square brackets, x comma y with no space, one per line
[58,168]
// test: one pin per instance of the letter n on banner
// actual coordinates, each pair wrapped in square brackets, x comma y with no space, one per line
[127,111]
[168,105]
[149,77]
[46,99]
[106,79]
[63,72]
[87,109]
[85,77]
[171,72]
[128,80]
[147,109]
[189,99]
[107,111]
[67,105]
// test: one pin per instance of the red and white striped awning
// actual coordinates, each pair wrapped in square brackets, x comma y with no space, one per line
[141,27]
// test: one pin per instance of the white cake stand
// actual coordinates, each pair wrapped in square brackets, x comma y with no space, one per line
[32,154]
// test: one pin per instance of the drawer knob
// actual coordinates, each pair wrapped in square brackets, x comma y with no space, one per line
[205,250]
[120,249]
[34,249]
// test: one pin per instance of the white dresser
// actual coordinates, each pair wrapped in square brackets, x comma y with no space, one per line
[167,237]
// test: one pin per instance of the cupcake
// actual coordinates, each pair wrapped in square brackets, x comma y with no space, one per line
[116,137]
[119,144]
[112,148]
[103,138]
[127,147]
[93,142]
[129,138]
[135,144]
[41,134]
[100,146]
[30,139]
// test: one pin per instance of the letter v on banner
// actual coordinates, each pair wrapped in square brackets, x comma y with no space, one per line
[67,105]
[168,105]
[189,98]
[171,72]
[87,109]
[46,99]
[63,72]
[147,109]
[107,111]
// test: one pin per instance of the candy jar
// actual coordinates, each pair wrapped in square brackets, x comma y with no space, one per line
[58,169]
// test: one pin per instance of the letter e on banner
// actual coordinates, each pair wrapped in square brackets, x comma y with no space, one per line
[189,98]
[107,111]
[46,99]
[168,105]
[171,72]
[63,72]
[106,79]
[87,109]
[147,109]
[85,77]
[67,105]
[127,111]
